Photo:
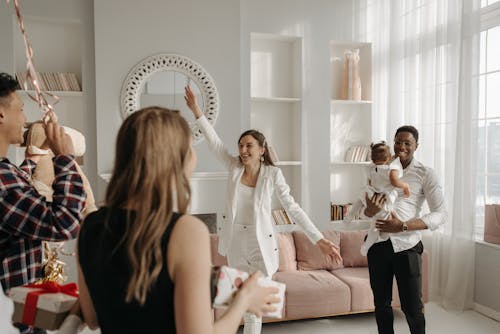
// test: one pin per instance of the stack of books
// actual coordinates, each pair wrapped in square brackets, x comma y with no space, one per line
[339,211]
[55,82]
[281,218]
[358,153]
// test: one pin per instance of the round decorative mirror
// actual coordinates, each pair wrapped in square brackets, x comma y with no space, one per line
[160,80]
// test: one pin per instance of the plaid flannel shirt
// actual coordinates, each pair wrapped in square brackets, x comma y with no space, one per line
[27,218]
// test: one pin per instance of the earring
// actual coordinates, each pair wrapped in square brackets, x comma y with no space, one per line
[262,158]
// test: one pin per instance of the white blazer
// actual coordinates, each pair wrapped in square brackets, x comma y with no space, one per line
[269,182]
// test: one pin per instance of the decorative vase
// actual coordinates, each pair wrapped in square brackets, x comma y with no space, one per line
[351,83]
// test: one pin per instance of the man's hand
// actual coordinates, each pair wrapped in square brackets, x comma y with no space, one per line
[59,141]
[391,225]
[406,189]
[374,204]
[329,249]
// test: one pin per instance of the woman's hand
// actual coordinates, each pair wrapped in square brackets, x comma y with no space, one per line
[374,204]
[330,249]
[258,299]
[191,102]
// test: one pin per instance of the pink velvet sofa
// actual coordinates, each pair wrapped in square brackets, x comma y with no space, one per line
[316,286]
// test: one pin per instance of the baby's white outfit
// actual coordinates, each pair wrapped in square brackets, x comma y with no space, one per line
[379,183]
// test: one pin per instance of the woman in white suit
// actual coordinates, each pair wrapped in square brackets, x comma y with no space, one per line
[247,236]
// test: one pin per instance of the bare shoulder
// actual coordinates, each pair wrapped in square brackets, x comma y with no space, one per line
[190,227]
[188,246]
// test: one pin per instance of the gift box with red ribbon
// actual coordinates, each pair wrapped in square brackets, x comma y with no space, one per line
[43,305]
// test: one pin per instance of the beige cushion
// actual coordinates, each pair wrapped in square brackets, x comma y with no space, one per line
[288,256]
[217,259]
[350,244]
[313,294]
[309,256]
[358,281]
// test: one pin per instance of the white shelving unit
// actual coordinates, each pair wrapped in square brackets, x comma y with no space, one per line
[58,48]
[350,124]
[276,102]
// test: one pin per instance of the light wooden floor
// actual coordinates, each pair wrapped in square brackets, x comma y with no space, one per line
[439,321]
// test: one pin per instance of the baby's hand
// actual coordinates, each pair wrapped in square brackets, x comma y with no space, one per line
[406,189]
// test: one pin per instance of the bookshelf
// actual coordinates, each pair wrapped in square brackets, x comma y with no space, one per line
[58,46]
[350,125]
[276,103]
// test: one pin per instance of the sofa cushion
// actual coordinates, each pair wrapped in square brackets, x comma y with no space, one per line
[217,259]
[288,256]
[309,256]
[313,294]
[350,245]
[358,281]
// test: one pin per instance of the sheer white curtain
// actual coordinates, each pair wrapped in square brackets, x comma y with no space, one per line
[425,65]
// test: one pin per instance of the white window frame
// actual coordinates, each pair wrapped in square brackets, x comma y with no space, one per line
[490,18]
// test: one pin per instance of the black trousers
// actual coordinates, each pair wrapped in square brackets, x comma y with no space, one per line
[383,265]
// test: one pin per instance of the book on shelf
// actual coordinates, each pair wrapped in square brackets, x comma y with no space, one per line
[273,154]
[358,153]
[281,217]
[339,211]
[51,81]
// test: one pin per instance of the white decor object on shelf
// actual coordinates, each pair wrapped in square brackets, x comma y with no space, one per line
[138,77]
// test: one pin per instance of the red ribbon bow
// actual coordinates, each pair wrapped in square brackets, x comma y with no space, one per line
[31,302]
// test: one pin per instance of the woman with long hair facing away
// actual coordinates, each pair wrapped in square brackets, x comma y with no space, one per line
[247,236]
[144,264]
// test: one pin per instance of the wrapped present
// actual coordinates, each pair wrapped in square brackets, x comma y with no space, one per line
[226,281]
[43,305]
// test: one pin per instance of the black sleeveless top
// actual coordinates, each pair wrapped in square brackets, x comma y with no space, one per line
[107,271]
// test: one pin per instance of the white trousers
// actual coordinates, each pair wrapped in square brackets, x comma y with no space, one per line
[244,254]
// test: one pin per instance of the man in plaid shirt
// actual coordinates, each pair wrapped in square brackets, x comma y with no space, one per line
[27,218]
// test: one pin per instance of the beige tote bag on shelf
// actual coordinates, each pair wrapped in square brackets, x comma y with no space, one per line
[492,223]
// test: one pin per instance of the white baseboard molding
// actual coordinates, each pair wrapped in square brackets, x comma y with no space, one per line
[489,312]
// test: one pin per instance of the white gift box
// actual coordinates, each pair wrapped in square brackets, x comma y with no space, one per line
[229,280]
[51,308]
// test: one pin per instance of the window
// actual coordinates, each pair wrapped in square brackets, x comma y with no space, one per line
[485,3]
[488,164]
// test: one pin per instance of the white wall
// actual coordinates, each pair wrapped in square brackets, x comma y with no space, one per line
[127,31]
[487,278]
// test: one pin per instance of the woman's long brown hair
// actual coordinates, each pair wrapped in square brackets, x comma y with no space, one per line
[152,149]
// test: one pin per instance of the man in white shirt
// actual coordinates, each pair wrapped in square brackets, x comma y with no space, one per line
[399,253]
